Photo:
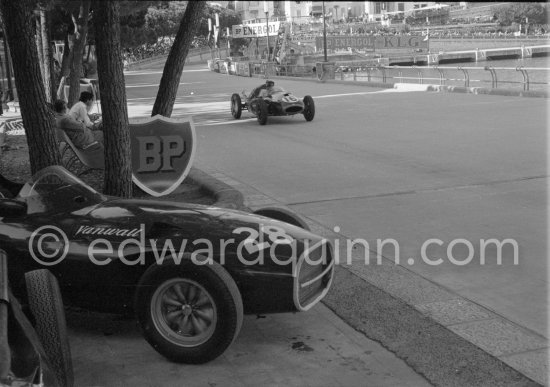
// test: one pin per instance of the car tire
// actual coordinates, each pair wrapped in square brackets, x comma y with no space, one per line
[309,108]
[236,107]
[262,112]
[174,324]
[283,215]
[48,314]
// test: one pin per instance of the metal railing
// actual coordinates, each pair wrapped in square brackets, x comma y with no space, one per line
[494,77]
[526,78]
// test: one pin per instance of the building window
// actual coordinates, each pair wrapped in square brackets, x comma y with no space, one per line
[381,7]
[401,7]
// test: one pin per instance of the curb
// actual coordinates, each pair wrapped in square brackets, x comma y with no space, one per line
[225,195]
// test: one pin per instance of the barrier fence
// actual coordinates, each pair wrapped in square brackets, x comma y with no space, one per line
[524,78]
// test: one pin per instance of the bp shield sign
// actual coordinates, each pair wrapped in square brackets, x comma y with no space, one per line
[162,153]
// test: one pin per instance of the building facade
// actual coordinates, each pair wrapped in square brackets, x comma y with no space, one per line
[337,11]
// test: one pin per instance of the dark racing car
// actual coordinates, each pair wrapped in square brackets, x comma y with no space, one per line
[189,272]
[270,100]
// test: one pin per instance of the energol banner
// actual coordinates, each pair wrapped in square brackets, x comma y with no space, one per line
[371,42]
[254,30]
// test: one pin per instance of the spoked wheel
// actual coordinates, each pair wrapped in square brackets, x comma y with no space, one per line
[309,108]
[189,313]
[236,107]
[47,310]
[262,112]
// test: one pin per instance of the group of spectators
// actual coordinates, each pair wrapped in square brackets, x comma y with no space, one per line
[161,47]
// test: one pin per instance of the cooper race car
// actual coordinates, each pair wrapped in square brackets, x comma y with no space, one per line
[189,272]
[270,100]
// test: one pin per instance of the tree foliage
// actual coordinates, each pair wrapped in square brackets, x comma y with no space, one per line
[536,13]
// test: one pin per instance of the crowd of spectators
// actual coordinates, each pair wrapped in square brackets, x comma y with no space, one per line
[159,48]
[359,27]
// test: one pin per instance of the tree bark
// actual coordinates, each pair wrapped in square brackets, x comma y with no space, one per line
[118,165]
[37,118]
[38,41]
[173,68]
[47,54]
[81,34]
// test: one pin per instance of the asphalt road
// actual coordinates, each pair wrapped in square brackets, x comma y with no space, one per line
[406,166]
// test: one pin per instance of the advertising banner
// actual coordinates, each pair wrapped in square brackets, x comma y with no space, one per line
[372,42]
[254,30]
[162,153]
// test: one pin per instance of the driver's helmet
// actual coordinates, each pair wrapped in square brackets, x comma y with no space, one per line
[269,83]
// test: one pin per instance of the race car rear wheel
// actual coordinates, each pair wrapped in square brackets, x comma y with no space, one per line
[236,107]
[283,215]
[46,307]
[309,108]
[262,112]
[189,313]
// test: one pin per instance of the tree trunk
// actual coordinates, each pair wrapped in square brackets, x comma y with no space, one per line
[81,34]
[37,118]
[47,54]
[173,67]
[66,64]
[118,165]
[7,57]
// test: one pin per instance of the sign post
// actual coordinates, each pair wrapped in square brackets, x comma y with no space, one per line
[266,10]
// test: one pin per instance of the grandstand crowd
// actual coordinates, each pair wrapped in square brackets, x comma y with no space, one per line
[353,27]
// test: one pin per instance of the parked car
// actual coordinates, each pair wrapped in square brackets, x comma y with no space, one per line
[270,100]
[188,271]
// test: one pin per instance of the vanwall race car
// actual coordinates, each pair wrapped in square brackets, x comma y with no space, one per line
[270,100]
[189,272]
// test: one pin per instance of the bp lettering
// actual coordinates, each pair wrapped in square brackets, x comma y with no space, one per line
[156,152]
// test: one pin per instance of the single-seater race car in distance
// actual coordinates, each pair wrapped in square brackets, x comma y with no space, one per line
[189,272]
[270,100]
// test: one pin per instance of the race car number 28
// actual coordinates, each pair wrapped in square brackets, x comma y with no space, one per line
[256,240]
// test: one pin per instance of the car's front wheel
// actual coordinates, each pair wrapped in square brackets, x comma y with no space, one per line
[189,313]
[236,107]
[309,108]
[262,112]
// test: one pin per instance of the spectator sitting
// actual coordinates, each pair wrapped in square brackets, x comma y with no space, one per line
[81,136]
[80,110]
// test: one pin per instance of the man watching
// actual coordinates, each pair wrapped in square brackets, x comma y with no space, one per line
[80,110]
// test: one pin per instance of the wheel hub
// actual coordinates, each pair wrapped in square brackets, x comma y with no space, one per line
[186,309]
